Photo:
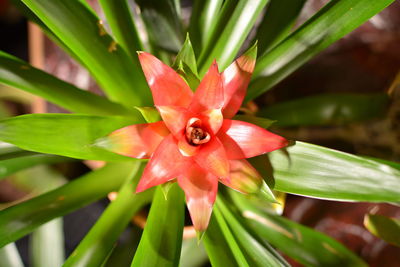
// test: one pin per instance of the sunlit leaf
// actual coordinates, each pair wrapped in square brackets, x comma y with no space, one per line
[23,218]
[19,74]
[70,135]
[301,243]
[235,31]
[384,227]
[332,22]
[321,172]
[81,31]
[256,253]
[9,256]
[277,22]
[91,252]
[122,25]
[161,241]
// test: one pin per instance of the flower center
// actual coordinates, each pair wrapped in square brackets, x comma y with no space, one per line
[195,134]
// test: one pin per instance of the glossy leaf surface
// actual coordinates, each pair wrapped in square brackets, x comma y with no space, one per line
[235,31]
[332,22]
[277,22]
[162,23]
[122,25]
[80,29]
[19,74]
[97,245]
[24,217]
[301,243]
[47,244]
[12,165]
[256,253]
[327,109]
[217,246]
[9,256]
[384,227]
[161,240]
[325,173]
[68,135]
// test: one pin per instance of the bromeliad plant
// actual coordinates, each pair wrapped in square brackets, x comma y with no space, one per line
[199,140]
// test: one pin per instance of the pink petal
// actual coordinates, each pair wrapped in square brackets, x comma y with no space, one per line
[213,119]
[200,189]
[210,94]
[165,164]
[167,87]
[175,118]
[236,78]
[243,177]
[137,141]
[246,140]
[212,157]
[187,149]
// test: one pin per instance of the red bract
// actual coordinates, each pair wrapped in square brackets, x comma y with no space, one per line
[198,143]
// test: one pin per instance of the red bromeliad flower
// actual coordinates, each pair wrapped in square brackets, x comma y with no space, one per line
[197,142]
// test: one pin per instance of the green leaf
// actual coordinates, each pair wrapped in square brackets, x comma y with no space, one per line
[262,122]
[216,245]
[301,243]
[332,22]
[277,22]
[163,24]
[186,55]
[256,253]
[161,240]
[122,25]
[192,254]
[186,66]
[203,18]
[384,227]
[231,242]
[79,28]
[47,244]
[91,251]
[70,135]
[216,27]
[325,173]
[150,114]
[23,218]
[225,49]
[12,165]
[327,109]
[19,74]
[9,256]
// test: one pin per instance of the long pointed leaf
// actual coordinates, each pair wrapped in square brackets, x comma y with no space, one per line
[257,253]
[161,240]
[332,22]
[79,29]
[233,35]
[321,172]
[68,135]
[9,256]
[122,25]
[17,73]
[47,244]
[12,165]
[299,242]
[384,227]
[277,23]
[203,19]
[23,218]
[216,245]
[327,109]
[99,242]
